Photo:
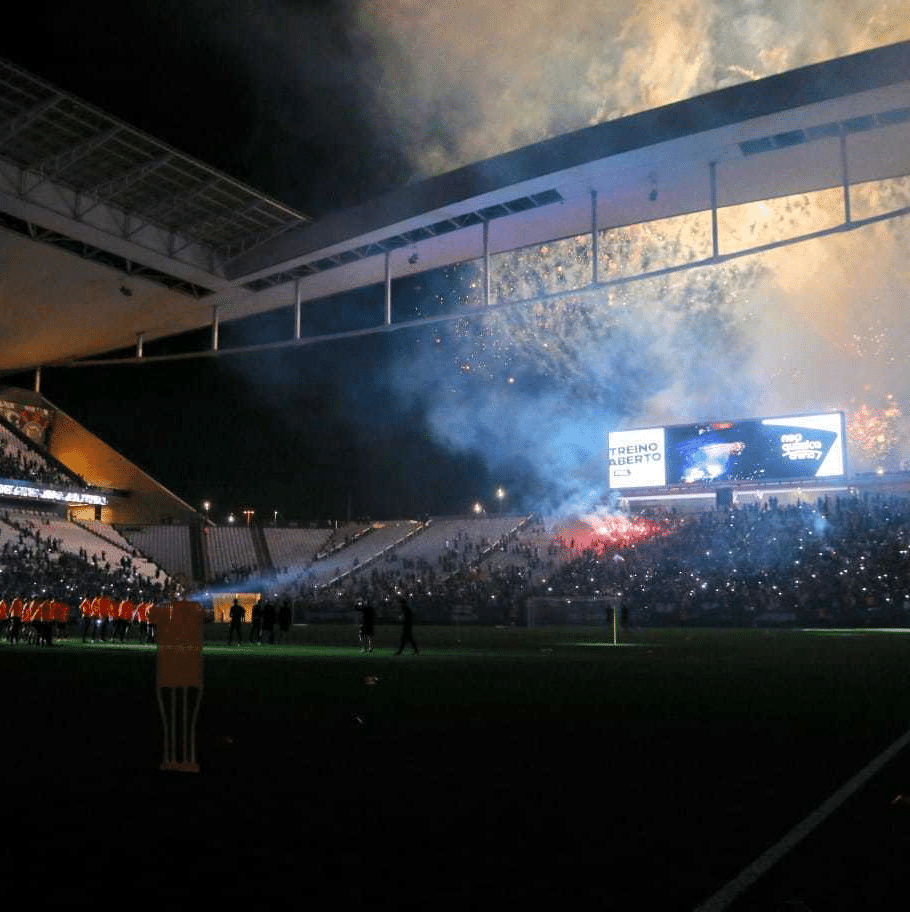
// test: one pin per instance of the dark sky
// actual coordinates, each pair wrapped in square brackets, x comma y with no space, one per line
[312,433]
[275,93]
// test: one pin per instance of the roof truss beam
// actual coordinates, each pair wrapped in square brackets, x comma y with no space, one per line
[53,166]
[161,212]
[105,192]
[17,124]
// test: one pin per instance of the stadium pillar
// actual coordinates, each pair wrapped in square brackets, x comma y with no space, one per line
[845,178]
[140,338]
[215,328]
[594,245]
[37,379]
[388,288]
[486,264]
[715,243]
[297,309]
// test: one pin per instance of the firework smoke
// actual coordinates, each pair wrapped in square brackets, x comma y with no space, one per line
[535,389]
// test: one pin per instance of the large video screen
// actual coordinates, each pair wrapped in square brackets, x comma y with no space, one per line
[751,450]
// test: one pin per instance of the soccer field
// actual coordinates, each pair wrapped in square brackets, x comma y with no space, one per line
[498,764]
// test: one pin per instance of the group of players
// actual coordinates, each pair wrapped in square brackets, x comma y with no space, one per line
[33,621]
[107,620]
[103,619]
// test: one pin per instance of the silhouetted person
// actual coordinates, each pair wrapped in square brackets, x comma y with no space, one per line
[407,626]
[238,613]
[256,629]
[367,623]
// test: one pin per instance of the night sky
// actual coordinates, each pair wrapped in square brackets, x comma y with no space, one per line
[306,433]
[325,104]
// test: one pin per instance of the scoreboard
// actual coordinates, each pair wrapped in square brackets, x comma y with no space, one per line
[750,449]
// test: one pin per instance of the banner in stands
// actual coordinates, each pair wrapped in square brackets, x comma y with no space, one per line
[751,450]
[33,421]
[24,491]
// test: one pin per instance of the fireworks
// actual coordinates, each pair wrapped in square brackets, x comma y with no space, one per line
[875,434]
[790,331]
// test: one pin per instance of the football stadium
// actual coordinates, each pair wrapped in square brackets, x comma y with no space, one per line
[668,673]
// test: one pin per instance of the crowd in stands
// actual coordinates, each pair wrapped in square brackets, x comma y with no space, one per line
[237,575]
[16,462]
[35,571]
[841,561]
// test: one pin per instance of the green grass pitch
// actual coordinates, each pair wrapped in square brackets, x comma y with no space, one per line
[508,758]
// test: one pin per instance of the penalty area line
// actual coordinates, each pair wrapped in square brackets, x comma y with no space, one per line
[749,875]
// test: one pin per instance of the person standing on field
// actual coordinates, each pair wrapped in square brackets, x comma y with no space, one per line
[407,626]
[256,626]
[367,625]
[238,613]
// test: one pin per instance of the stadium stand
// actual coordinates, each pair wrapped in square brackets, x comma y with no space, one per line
[532,550]
[451,543]
[360,552]
[75,539]
[231,553]
[167,545]
[37,564]
[296,548]
[842,561]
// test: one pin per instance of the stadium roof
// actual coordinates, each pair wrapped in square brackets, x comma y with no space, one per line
[107,233]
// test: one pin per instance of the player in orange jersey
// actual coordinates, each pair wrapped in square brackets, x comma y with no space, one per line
[61,612]
[97,618]
[108,614]
[124,618]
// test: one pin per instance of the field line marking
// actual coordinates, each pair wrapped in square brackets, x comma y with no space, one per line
[749,875]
